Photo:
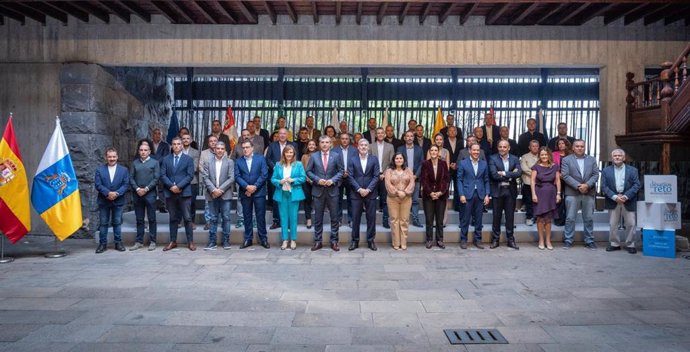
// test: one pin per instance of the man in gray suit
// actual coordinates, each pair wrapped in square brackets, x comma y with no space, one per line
[194,154]
[580,174]
[383,151]
[325,169]
[218,175]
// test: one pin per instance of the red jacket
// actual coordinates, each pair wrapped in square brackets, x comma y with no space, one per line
[439,184]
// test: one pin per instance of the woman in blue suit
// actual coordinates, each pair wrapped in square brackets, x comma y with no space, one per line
[288,178]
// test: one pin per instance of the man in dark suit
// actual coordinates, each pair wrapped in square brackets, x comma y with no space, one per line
[177,172]
[531,135]
[273,154]
[364,176]
[160,147]
[504,169]
[251,174]
[312,133]
[217,131]
[453,144]
[479,135]
[422,141]
[370,135]
[413,157]
[504,134]
[562,134]
[261,131]
[450,122]
[491,131]
[112,182]
[390,138]
[580,174]
[620,183]
[325,170]
[346,151]
[473,185]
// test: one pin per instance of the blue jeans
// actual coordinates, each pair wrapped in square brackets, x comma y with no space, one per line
[572,205]
[414,211]
[106,214]
[145,205]
[219,208]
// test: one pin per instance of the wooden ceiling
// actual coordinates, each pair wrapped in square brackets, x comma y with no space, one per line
[501,13]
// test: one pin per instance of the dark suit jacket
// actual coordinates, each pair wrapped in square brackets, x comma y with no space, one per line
[180,176]
[467,179]
[495,132]
[512,174]
[273,153]
[120,184]
[454,154]
[266,136]
[351,151]
[444,132]
[631,186]
[257,176]
[315,173]
[440,183]
[525,138]
[426,144]
[162,151]
[222,138]
[418,158]
[359,178]
[514,149]
[370,136]
[395,142]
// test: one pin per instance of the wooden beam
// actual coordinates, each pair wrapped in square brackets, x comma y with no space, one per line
[291,12]
[381,13]
[496,13]
[271,12]
[184,12]
[134,7]
[358,18]
[425,13]
[338,12]
[13,15]
[165,11]
[315,11]
[571,14]
[613,17]
[25,11]
[117,9]
[677,15]
[465,16]
[602,9]
[227,12]
[201,7]
[636,15]
[246,12]
[551,12]
[92,10]
[49,11]
[446,12]
[526,12]
[657,15]
[70,10]
[403,13]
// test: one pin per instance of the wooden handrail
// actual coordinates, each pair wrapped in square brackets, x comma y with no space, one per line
[681,57]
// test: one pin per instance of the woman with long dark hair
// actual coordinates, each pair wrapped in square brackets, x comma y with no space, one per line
[435,181]
[400,183]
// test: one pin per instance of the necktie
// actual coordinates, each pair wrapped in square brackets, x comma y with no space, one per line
[325,162]
[177,158]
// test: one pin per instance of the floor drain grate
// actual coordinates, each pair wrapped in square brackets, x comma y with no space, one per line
[474,336]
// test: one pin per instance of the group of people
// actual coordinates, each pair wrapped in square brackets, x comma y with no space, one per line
[375,171]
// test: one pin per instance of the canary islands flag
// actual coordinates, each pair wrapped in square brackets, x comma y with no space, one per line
[15,217]
[55,191]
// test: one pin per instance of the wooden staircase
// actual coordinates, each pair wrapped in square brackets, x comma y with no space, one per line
[658,115]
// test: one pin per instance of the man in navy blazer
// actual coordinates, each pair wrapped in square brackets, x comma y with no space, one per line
[325,170]
[364,177]
[504,169]
[251,174]
[413,157]
[177,172]
[273,154]
[346,151]
[621,183]
[112,181]
[473,186]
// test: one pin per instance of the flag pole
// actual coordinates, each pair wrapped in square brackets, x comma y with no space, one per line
[3,259]
[56,253]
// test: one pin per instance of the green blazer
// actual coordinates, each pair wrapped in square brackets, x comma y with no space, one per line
[296,174]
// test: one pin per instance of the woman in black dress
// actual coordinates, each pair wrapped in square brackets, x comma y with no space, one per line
[546,194]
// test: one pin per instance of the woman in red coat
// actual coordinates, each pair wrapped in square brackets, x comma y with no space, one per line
[435,183]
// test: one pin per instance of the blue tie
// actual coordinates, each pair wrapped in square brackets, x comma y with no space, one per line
[177,157]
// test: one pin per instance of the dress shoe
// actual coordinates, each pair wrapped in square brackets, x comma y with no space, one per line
[334,246]
[274,226]
[372,246]
[101,248]
[513,245]
[428,244]
[308,223]
[170,246]
[631,250]
[317,246]
[416,223]
[207,227]
[440,244]
[611,248]
[463,244]
[478,245]
[191,246]
[353,246]
[163,210]
[265,244]
[386,224]
[119,247]
[246,244]
[494,244]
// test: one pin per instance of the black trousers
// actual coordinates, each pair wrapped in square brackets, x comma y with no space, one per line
[504,203]
[307,202]
[527,200]
[358,205]
[434,210]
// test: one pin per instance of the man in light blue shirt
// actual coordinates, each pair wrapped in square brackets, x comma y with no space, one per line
[620,183]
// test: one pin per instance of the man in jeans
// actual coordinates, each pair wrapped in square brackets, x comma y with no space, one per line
[580,173]
[112,181]
[218,176]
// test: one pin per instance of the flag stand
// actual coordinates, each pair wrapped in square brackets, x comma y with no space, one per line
[3,259]
[56,253]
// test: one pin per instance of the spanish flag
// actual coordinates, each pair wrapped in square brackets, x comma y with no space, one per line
[439,123]
[15,217]
[230,129]
[55,191]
